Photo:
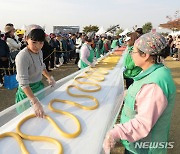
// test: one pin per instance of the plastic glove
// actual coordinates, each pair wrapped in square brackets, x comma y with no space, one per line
[51,81]
[38,109]
[92,64]
[109,143]
[101,55]
[94,59]
[124,68]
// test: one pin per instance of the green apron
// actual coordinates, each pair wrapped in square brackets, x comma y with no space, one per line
[90,58]
[102,51]
[99,52]
[114,44]
[99,49]
[161,76]
[131,70]
[20,95]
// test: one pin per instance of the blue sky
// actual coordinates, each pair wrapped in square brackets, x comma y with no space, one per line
[104,13]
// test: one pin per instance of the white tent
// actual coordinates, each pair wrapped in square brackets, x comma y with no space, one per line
[175,33]
[100,31]
[23,27]
[125,32]
[109,34]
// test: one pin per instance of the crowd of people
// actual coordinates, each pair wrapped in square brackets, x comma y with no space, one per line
[58,49]
[174,43]
[31,53]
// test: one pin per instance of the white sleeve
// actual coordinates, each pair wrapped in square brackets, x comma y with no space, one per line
[13,44]
[22,66]
[79,42]
[84,52]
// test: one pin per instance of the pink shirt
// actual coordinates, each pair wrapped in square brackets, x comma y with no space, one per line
[150,104]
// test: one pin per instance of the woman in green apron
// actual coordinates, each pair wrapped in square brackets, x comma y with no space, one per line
[86,54]
[30,67]
[130,69]
[100,46]
[148,104]
[114,43]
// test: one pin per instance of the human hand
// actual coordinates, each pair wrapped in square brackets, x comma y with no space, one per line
[94,59]
[124,68]
[51,81]
[92,65]
[109,143]
[38,109]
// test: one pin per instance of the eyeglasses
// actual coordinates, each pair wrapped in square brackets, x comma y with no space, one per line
[133,52]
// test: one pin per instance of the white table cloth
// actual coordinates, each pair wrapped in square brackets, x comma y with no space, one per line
[94,123]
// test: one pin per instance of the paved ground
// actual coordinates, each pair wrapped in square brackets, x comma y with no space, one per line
[7,99]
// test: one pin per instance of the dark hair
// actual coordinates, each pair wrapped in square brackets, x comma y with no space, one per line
[133,37]
[37,35]
[7,35]
[109,37]
[139,31]
[162,55]
[88,39]
[2,35]
[165,52]
[10,24]
[80,34]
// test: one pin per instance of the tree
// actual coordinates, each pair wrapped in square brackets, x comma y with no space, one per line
[120,30]
[164,34]
[112,28]
[147,27]
[176,16]
[90,28]
[115,29]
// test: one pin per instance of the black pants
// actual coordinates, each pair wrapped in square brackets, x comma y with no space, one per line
[77,58]
[58,55]
[52,61]
[3,64]
[129,81]
[46,62]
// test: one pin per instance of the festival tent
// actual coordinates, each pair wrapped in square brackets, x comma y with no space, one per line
[175,33]
[109,34]
[100,31]
[23,27]
[125,32]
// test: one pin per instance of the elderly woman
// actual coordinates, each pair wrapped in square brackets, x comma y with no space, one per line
[148,104]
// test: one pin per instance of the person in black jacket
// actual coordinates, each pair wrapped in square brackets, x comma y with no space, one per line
[4,63]
[47,50]
[53,45]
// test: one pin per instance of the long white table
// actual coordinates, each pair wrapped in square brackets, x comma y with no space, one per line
[94,123]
